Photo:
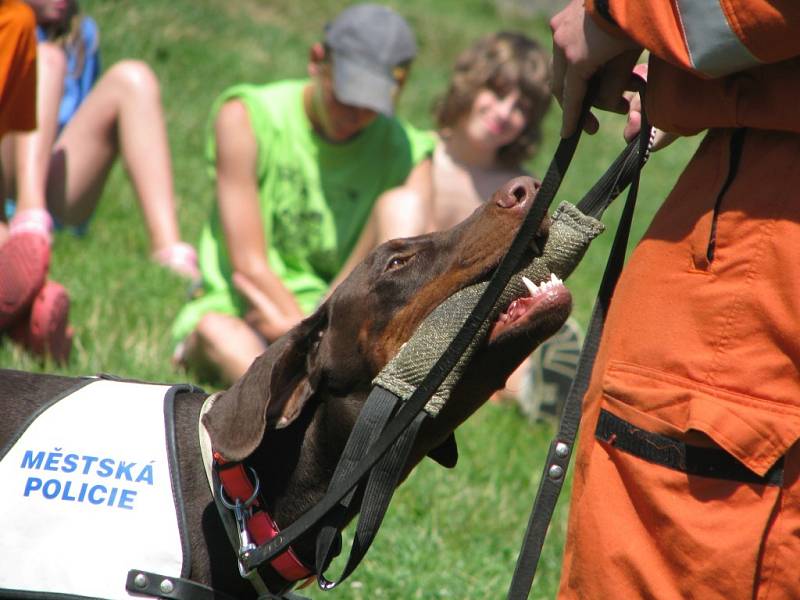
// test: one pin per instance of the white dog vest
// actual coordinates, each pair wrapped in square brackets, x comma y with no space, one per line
[88,493]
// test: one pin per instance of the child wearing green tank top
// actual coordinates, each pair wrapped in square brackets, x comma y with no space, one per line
[298,166]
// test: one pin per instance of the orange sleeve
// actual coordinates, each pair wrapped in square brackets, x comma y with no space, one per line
[711,37]
[17,67]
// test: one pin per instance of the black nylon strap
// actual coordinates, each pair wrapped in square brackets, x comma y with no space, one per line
[445,363]
[665,451]
[613,181]
[383,480]
[561,447]
[370,423]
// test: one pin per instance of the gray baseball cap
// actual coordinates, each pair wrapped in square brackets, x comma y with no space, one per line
[370,43]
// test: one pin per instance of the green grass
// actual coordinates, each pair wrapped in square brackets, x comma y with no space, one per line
[448,534]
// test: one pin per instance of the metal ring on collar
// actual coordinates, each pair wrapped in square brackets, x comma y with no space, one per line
[238,503]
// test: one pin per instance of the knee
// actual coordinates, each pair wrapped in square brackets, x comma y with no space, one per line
[135,77]
[211,328]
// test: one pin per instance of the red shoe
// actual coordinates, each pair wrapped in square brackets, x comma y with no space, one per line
[24,259]
[47,332]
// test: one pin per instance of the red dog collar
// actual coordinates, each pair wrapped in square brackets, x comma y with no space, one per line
[260,526]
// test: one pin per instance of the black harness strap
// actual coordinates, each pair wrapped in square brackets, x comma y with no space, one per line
[146,583]
[561,447]
[382,482]
[370,423]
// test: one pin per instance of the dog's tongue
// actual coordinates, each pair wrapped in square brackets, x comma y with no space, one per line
[540,299]
[570,234]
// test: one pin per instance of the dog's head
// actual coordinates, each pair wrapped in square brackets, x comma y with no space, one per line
[333,355]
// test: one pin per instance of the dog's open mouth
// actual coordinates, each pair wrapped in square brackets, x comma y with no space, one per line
[523,313]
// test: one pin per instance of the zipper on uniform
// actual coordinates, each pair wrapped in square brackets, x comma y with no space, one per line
[736,145]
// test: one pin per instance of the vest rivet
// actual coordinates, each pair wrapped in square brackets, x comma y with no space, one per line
[555,472]
[166,586]
[562,450]
[140,580]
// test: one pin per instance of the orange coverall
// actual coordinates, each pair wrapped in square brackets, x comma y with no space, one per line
[17,67]
[702,342]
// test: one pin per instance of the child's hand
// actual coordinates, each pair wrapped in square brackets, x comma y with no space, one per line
[264,315]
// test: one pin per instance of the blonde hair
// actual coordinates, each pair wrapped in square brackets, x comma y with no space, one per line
[68,34]
[500,62]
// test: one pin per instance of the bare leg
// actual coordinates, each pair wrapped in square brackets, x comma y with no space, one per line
[32,149]
[26,156]
[225,343]
[122,114]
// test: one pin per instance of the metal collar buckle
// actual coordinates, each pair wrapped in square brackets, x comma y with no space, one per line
[242,512]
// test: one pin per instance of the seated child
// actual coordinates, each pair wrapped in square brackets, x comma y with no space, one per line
[298,166]
[85,121]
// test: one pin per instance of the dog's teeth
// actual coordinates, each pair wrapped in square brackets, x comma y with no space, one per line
[555,280]
[532,287]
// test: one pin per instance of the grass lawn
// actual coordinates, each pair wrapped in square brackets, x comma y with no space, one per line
[448,534]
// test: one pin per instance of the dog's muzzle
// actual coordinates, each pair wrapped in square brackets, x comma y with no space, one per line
[570,234]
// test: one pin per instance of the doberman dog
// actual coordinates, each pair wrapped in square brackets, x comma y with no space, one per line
[291,413]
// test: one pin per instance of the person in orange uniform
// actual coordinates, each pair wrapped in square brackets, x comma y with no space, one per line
[686,477]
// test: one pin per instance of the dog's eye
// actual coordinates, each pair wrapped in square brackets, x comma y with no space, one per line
[396,262]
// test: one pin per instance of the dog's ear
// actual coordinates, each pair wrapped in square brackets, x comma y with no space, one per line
[271,393]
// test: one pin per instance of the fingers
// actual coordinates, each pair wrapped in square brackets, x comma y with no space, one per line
[638,78]
[572,101]
[613,80]
[581,51]
[257,299]
[559,69]
[662,139]
[633,126]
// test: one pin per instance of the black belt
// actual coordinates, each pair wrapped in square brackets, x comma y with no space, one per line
[677,455]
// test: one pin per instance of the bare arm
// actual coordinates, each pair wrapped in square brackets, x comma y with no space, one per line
[237,195]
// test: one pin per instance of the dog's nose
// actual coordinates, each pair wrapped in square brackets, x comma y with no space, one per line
[516,192]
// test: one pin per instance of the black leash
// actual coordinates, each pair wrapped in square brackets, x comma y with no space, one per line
[626,169]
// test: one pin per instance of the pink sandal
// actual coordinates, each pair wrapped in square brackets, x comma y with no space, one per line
[24,259]
[181,258]
[47,332]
